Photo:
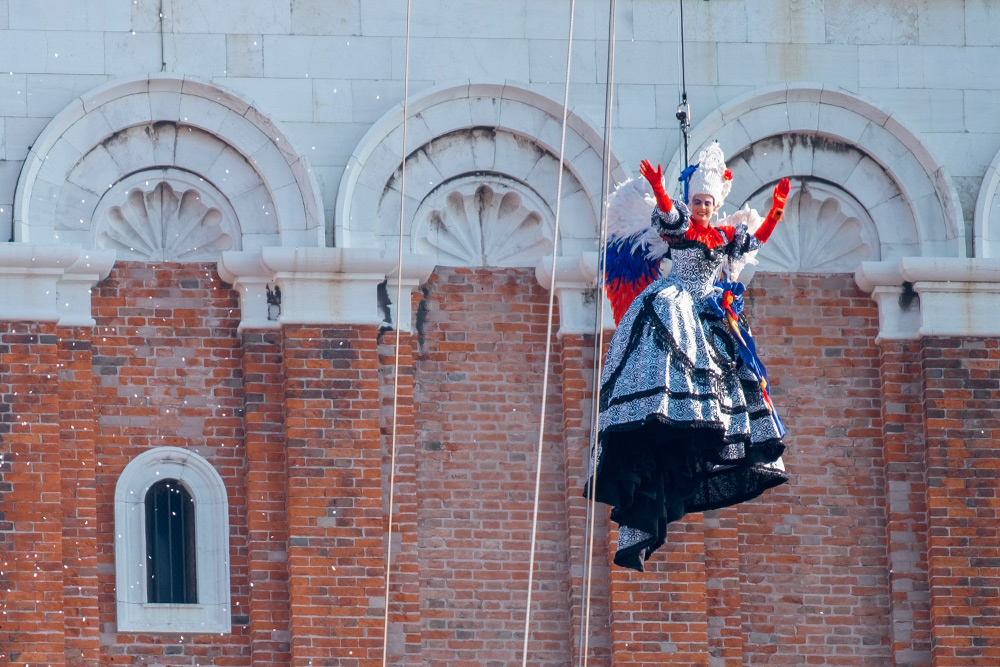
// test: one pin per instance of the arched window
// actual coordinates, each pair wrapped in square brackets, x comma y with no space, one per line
[171,544]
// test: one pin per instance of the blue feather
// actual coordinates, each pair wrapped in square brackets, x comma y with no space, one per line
[627,261]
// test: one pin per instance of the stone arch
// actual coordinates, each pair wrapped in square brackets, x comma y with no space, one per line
[239,181]
[986,220]
[481,179]
[856,153]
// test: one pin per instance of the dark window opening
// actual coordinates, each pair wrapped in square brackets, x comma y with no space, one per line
[170,555]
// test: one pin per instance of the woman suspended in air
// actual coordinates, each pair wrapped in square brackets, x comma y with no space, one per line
[686,424]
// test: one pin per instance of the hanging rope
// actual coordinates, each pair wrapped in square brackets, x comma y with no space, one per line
[684,110]
[399,327]
[548,337]
[598,339]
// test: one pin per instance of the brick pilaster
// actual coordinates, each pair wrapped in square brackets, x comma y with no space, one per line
[659,617]
[961,390]
[267,478]
[334,502]
[32,623]
[906,506]
[77,430]
[722,572]
[403,570]
[479,369]
[577,363]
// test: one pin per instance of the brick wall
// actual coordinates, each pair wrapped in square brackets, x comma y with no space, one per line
[33,625]
[881,550]
[478,370]
[78,465]
[814,569]
[167,370]
[961,389]
[335,545]
[266,481]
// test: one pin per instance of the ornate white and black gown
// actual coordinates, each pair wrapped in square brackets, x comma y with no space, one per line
[685,421]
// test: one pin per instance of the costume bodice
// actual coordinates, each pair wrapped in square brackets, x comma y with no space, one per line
[694,268]
[698,255]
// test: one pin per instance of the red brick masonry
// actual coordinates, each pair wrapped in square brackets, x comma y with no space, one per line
[883,549]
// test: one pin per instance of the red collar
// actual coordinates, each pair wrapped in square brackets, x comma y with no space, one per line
[711,237]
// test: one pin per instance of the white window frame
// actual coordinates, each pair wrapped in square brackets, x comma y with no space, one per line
[211,524]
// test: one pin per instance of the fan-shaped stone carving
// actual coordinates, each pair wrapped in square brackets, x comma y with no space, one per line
[164,224]
[823,231]
[473,223]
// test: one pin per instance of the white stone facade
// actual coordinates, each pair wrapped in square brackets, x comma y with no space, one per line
[278,124]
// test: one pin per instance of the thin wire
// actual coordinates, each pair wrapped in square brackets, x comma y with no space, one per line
[399,326]
[598,339]
[684,111]
[548,336]
[163,56]
[683,76]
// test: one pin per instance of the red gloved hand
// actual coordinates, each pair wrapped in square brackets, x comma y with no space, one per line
[779,198]
[655,178]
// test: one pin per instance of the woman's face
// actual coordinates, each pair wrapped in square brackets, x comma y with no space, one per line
[702,208]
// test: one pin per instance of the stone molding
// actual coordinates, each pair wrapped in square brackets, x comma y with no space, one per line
[495,131]
[154,121]
[320,285]
[211,507]
[934,296]
[907,192]
[986,219]
[48,283]
[576,293]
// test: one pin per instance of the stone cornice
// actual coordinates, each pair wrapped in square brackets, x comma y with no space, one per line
[934,296]
[319,285]
[50,283]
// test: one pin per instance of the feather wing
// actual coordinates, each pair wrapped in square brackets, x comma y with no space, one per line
[634,251]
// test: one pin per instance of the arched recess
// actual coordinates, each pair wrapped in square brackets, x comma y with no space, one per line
[986,221]
[482,168]
[852,160]
[163,167]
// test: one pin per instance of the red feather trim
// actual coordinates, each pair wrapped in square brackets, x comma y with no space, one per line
[621,294]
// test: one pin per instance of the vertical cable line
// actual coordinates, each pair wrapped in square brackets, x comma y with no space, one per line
[548,337]
[684,109]
[399,324]
[163,48]
[588,557]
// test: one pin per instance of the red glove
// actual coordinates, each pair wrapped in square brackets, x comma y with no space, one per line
[779,198]
[655,178]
